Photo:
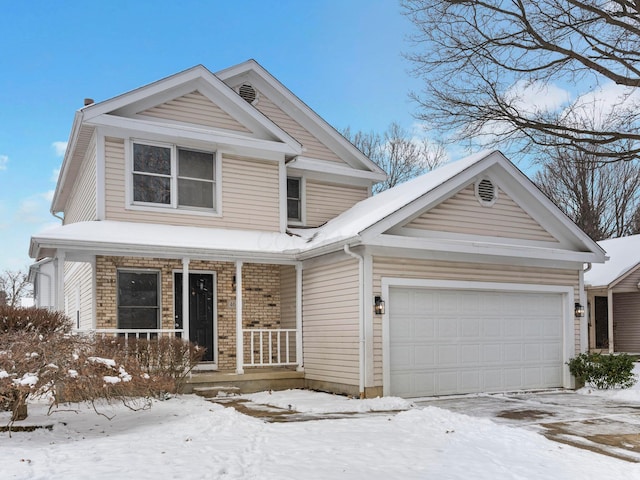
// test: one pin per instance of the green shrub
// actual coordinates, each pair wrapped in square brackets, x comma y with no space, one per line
[603,371]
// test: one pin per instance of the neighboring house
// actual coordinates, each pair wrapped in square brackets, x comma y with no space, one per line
[613,292]
[221,208]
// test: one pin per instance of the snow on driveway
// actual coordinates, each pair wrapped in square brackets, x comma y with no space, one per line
[188,437]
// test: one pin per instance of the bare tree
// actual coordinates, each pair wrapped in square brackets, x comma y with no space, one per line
[496,70]
[14,286]
[601,198]
[399,154]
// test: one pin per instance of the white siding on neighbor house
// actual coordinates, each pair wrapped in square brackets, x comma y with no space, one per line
[81,205]
[626,322]
[463,213]
[330,334]
[78,293]
[324,201]
[250,195]
[197,109]
[462,271]
[314,148]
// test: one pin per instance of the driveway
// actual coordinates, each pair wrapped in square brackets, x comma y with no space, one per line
[584,421]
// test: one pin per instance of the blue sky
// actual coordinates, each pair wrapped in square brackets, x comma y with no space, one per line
[342,57]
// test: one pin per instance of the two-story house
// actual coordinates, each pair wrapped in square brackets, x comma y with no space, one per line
[221,208]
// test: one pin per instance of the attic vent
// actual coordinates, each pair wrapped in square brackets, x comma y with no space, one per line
[486,192]
[247,92]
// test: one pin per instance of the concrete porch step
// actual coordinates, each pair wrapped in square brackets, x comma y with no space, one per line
[252,380]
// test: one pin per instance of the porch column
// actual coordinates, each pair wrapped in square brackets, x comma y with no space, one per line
[239,337]
[299,357]
[59,272]
[185,298]
[610,318]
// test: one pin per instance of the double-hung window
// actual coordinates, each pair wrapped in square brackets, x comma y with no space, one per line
[172,176]
[138,299]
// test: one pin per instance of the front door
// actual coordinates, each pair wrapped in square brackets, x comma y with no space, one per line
[201,310]
[601,318]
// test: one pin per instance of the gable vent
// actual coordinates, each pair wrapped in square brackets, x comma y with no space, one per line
[486,191]
[248,93]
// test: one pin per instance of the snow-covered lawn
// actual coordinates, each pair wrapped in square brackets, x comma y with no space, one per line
[188,437]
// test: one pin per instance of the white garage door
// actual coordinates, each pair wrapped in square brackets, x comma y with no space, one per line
[444,342]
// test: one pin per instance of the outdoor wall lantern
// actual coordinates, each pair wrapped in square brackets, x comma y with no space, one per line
[579,310]
[378,307]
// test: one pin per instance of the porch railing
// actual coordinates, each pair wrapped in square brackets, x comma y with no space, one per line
[137,333]
[269,347]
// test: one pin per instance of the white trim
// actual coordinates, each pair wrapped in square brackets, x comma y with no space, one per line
[299,340]
[334,168]
[568,326]
[239,308]
[100,177]
[282,184]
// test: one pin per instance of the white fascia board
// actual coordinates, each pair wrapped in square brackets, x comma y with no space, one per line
[325,166]
[130,126]
[483,248]
[68,157]
[301,112]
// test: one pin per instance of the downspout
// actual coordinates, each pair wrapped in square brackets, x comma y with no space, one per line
[361,296]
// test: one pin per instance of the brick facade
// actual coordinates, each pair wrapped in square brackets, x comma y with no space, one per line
[260,285]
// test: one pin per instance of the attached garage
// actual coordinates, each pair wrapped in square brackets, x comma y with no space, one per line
[444,341]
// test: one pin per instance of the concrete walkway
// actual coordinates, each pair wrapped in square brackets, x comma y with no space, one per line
[584,421]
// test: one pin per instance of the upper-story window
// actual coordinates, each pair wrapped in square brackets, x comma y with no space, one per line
[172,176]
[294,199]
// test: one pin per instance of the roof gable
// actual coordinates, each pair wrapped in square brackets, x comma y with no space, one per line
[331,144]
[624,259]
[382,214]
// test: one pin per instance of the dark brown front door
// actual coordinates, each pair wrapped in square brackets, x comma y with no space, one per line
[201,310]
[601,318]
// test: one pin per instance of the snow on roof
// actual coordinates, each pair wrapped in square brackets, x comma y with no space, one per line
[624,254]
[109,232]
[370,211]
[345,226]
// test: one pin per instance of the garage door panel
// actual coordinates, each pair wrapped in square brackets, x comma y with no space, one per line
[447,341]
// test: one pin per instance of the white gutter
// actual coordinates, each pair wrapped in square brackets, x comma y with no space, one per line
[361,339]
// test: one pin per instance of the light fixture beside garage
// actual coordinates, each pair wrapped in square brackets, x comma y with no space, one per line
[378,306]
[579,310]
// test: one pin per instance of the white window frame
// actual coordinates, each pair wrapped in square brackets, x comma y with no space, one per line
[173,205]
[303,208]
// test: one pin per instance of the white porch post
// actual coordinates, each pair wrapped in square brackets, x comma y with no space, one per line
[185,298]
[59,271]
[239,339]
[299,356]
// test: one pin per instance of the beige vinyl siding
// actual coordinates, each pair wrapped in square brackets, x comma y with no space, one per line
[81,205]
[463,213]
[626,322]
[324,201]
[314,148]
[330,311]
[461,271]
[249,195]
[629,283]
[197,109]
[79,282]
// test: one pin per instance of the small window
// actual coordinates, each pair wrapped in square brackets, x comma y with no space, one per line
[486,192]
[294,199]
[138,299]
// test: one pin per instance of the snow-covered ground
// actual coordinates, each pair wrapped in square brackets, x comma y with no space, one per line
[188,437]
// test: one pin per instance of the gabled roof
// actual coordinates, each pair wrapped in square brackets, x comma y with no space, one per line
[253,72]
[373,216]
[624,257]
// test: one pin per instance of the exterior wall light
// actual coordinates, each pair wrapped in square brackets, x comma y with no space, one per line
[378,307]
[579,310]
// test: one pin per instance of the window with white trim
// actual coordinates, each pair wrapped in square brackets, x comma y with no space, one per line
[138,299]
[173,176]
[294,199]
